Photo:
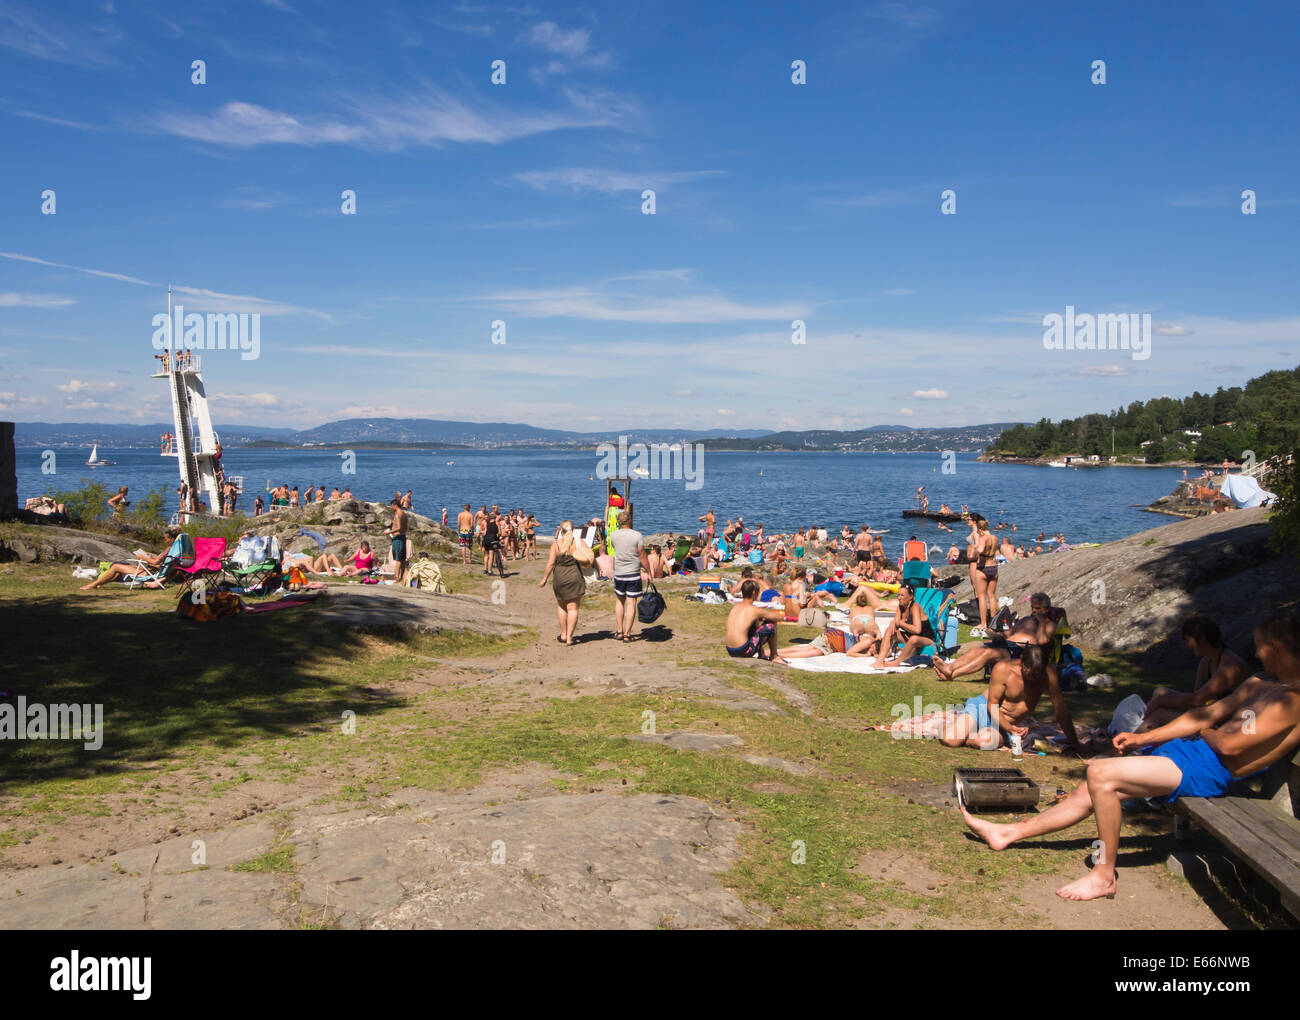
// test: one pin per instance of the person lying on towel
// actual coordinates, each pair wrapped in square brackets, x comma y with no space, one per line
[750,628]
[1015,688]
[1199,754]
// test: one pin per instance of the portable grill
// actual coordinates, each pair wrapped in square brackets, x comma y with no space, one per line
[994,789]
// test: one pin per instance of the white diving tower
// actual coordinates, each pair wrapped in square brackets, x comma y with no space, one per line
[194,442]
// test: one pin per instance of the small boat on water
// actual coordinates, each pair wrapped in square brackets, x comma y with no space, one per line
[94,460]
[643,473]
[1056,463]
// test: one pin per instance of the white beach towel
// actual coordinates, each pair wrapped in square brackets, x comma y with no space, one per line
[838,662]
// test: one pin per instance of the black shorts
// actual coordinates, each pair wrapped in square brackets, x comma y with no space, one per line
[864,556]
[628,587]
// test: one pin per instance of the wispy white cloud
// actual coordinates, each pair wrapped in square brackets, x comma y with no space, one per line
[428,117]
[1104,371]
[79,269]
[78,386]
[53,37]
[882,199]
[549,36]
[11,299]
[1172,329]
[580,179]
[199,299]
[934,393]
[605,303]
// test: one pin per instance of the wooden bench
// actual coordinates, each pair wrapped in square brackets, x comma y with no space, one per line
[1261,829]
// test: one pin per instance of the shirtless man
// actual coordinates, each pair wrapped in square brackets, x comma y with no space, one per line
[1219,672]
[1038,628]
[465,533]
[397,532]
[1236,737]
[751,627]
[862,546]
[1006,705]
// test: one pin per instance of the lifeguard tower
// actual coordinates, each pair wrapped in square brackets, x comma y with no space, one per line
[195,443]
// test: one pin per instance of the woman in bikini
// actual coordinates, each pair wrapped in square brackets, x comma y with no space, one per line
[982,547]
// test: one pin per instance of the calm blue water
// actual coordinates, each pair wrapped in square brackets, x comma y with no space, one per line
[781,490]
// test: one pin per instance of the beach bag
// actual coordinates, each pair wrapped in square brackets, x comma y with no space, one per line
[651,605]
[755,556]
[215,605]
[969,612]
[581,553]
[605,566]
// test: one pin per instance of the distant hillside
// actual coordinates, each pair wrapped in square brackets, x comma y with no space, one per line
[879,438]
[1263,416]
[47,434]
[480,434]
[373,432]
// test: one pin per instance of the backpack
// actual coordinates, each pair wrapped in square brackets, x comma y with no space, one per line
[969,612]
[1002,619]
[650,606]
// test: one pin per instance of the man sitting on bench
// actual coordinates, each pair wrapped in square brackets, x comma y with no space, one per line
[1219,672]
[986,721]
[1038,628]
[1199,754]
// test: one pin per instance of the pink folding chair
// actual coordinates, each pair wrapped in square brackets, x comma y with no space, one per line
[209,556]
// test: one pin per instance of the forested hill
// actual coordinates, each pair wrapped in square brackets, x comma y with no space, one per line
[1263,416]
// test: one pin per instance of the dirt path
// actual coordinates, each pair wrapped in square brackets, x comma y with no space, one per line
[521,847]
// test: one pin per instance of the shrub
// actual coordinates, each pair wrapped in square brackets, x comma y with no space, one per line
[1284,533]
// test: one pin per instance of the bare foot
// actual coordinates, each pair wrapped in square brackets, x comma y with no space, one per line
[943,669]
[1091,887]
[88,587]
[998,837]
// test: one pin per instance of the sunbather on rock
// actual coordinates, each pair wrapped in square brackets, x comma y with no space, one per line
[1007,705]
[1038,628]
[1198,754]
[1219,672]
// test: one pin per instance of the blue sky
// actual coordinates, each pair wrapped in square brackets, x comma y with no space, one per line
[522,203]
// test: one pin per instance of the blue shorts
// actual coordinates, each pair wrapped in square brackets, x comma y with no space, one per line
[978,709]
[1203,774]
[628,587]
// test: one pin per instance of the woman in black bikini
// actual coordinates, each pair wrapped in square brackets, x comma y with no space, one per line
[984,573]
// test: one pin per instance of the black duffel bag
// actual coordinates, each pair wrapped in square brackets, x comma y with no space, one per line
[651,605]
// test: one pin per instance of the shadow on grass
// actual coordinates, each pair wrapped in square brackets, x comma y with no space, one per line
[167,683]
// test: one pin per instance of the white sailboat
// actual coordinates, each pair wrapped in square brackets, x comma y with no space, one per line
[94,460]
